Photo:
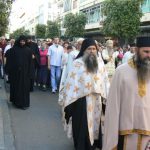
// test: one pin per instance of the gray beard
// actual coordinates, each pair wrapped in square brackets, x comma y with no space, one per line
[110,51]
[91,62]
[143,68]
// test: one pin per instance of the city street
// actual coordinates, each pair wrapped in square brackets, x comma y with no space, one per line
[96,53]
[39,127]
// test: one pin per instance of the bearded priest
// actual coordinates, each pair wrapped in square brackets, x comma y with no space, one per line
[127,120]
[86,85]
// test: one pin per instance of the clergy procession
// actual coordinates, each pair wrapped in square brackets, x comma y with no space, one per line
[102,89]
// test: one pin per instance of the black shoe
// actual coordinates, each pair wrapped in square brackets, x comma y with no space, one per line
[7,81]
[53,91]
[24,108]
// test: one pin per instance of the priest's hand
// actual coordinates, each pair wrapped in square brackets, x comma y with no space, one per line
[33,56]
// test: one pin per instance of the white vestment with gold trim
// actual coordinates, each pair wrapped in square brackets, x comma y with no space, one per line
[127,110]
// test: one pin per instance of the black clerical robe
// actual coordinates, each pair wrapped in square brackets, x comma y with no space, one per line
[78,112]
[19,70]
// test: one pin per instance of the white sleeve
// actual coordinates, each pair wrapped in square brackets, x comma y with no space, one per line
[6,48]
[124,59]
[69,63]
[105,55]
[111,124]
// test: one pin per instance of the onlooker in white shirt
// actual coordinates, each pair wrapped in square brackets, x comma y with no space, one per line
[129,53]
[55,53]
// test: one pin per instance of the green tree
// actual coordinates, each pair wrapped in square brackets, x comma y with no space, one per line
[75,24]
[122,18]
[19,32]
[53,29]
[40,31]
[5,8]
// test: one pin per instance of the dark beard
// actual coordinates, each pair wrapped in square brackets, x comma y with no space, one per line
[143,68]
[91,62]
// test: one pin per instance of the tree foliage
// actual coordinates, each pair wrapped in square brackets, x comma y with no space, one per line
[5,8]
[19,32]
[122,18]
[40,31]
[53,29]
[75,24]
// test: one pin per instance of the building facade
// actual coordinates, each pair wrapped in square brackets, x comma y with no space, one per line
[93,11]
[145,20]
[29,13]
[95,17]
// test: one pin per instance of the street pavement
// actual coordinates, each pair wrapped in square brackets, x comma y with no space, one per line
[40,126]
[6,135]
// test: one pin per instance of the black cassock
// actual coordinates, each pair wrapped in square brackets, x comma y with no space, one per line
[19,70]
[35,62]
[77,111]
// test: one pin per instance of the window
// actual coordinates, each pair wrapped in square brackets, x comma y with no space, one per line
[67,5]
[41,19]
[41,9]
[82,1]
[31,21]
[74,4]
[49,5]
[146,6]
[49,17]
[93,14]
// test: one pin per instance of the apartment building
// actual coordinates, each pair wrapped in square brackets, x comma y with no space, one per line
[93,11]
[27,14]
[145,20]
[71,6]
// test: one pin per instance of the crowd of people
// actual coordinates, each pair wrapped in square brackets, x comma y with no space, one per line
[103,88]
[42,50]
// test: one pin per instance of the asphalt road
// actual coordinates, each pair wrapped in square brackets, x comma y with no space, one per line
[39,127]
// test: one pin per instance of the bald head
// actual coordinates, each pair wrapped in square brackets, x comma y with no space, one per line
[79,43]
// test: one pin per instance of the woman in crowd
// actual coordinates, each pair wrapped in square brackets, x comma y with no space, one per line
[42,75]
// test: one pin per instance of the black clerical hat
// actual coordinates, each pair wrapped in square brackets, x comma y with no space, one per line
[132,45]
[143,42]
[85,44]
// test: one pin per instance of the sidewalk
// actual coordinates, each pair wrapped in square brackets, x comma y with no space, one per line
[6,136]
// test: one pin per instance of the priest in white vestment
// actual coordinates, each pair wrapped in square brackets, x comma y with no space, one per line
[127,119]
[71,57]
[86,84]
[108,56]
